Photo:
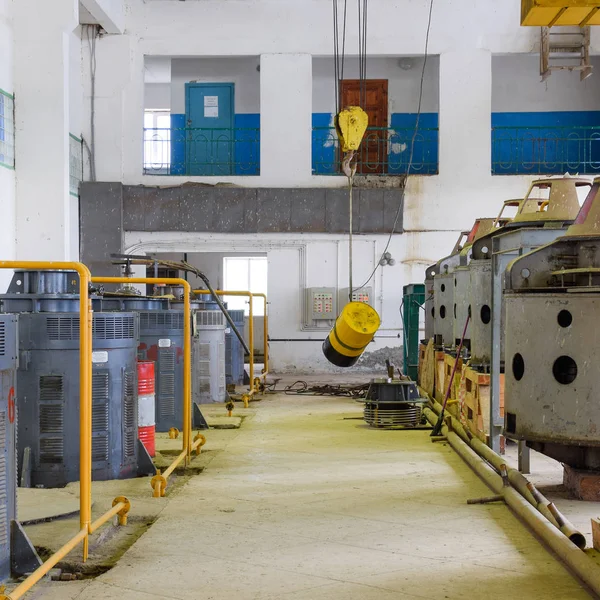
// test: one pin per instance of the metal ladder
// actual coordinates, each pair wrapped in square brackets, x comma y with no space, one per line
[565,48]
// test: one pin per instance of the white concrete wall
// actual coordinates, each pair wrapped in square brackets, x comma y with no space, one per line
[239,70]
[516,86]
[7,176]
[286,35]
[285,30]
[298,261]
[403,83]
[157,96]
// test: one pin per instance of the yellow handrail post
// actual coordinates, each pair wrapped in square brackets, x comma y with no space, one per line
[250,296]
[251,338]
[265,333]
[187,348]
[85,380]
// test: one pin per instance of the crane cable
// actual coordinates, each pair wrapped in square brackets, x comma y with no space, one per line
[348,166]
[412,148]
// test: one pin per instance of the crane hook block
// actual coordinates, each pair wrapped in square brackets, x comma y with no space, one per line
[351,124]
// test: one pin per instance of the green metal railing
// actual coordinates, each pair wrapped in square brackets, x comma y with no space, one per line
[7,130]
[384,151]
[196,151]
[75,164]
[545,150]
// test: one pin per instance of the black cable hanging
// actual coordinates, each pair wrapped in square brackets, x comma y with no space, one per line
[412,146]
[338,59]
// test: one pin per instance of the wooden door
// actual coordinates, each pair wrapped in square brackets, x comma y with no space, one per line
[373,151]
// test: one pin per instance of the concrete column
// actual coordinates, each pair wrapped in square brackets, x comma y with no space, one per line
[465,114]
[41,73]
[285,118]
[118,113]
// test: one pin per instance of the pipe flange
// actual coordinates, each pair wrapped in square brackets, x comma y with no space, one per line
[173,433]
[158,481]
[202,439]
[123,513]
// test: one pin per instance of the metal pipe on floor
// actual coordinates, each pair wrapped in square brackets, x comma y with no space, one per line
[158,483]
[580,563]
[519,482]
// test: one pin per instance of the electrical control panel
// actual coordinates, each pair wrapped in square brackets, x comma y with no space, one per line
[321,304]
[365,295]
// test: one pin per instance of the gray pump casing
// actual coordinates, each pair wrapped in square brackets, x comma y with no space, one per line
[48,382]
[234,351]
[208,352]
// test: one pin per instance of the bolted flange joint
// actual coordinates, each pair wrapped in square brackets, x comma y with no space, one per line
[122,514]
[159,485]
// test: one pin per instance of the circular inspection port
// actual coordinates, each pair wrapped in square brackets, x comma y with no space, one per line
[442,312]
[564,370]
[485,314]
[518,366]
[443,288]
[564,318]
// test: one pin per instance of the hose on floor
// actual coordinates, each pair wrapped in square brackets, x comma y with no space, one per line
[302,388]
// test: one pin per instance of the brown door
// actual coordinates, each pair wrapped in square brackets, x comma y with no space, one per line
[373,150]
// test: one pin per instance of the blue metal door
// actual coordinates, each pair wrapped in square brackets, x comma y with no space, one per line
[209,111]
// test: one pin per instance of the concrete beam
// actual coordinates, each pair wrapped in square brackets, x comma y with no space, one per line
[108,14]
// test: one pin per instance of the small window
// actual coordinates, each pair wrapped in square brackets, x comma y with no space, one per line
[157,142]
[7,130]
[247,273]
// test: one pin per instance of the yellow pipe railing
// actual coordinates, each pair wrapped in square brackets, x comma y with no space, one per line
[159,481]
[265,333]
[85,380]
[250,296]
[85,426]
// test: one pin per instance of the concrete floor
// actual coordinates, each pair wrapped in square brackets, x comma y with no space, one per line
[305,502]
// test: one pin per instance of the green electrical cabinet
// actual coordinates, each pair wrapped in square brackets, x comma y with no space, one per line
[413,298]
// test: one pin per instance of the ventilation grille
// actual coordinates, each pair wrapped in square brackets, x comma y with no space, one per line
[4,524]
[2,338]
[100,383]
[166,383]
[129,383]
[161,320]
[237,316]
[51,388]
[208,318]
[62,328]
[129,424]
[166,360]
[51,418]
[166,406]
[113,327]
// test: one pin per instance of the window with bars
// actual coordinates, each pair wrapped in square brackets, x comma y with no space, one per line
[7,130]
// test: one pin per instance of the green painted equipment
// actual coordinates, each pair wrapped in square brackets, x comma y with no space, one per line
[413,298]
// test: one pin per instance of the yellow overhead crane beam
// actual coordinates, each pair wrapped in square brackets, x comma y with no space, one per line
[560,13]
